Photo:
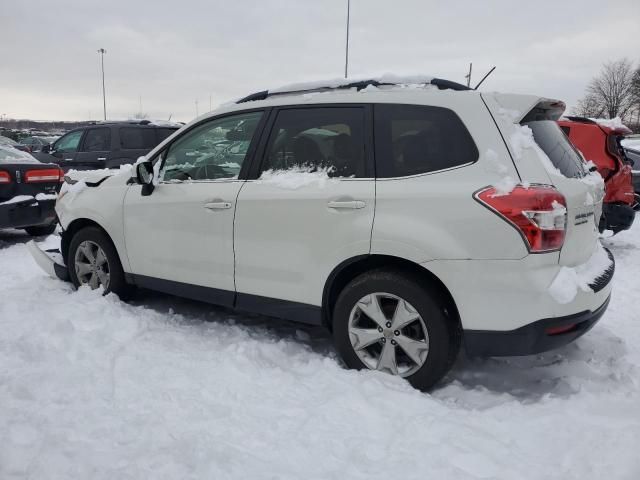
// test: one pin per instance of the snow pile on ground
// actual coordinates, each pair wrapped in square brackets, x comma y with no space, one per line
[93,388]
[297,177]
[569,280]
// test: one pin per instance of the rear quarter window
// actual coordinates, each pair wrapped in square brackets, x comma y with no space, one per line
[414,139]
[553,141]
[136,138]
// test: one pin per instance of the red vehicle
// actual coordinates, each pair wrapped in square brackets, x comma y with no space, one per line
[600,143]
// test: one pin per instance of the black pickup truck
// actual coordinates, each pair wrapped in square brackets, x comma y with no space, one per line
[28,191]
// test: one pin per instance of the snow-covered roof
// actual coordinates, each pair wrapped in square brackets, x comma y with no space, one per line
[386,78]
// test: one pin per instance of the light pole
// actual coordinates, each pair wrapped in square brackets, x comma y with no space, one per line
[102,51]
[346,49]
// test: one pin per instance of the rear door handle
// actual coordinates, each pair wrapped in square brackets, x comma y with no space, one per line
[217,205]
[351,204]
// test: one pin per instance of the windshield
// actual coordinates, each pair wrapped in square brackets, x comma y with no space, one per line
[552,140]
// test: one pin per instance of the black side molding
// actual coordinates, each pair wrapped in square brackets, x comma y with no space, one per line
[271,307]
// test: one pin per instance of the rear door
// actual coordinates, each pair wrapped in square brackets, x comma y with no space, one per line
[94,150]
[309,206]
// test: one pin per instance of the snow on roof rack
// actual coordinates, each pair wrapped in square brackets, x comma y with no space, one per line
[441,83]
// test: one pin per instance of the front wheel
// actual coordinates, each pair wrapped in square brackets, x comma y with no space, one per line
[391,322]
[93,261]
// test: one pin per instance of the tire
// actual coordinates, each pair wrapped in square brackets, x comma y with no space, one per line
[442,333]
[93,237]
[41,230]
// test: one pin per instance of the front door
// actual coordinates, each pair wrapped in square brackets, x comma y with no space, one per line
[94,150]
[310,208]
[63,151]
[180,238]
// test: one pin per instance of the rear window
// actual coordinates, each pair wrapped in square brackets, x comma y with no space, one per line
[552,140]
[135,138]
[411,140]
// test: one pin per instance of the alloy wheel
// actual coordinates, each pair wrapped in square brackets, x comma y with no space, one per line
[91,265]
[388,334]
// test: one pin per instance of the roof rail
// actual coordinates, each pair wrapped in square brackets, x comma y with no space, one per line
[442,84]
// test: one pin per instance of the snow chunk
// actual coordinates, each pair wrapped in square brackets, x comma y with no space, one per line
[17,199]
[46,196]
[521,139]
[564,287]
[615,123]
[297,177]
[505,186]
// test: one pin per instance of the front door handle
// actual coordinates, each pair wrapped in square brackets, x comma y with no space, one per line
[217,205]
[102,158]
[350,204]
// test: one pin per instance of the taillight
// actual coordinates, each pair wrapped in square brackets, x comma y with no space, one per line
[538,212]
[44,175]
[4,178]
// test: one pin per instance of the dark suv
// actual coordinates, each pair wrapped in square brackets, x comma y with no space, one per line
[105,145]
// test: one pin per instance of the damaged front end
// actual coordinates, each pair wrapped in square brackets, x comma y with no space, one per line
[50,260]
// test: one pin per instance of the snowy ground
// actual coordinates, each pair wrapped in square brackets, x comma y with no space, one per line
[93,388]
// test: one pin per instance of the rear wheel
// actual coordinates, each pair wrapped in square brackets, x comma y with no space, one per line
[94,261]
[41,230]
[391,322]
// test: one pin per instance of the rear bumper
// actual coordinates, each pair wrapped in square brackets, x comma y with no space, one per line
[533,338]
[49,260]
[616,217]
[27,213]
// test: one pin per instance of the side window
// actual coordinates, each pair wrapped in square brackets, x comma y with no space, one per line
[162,133]
[566,130]
[410,140]
[97,140]
[214,150]
[318,138]
[136,138]
[69,143]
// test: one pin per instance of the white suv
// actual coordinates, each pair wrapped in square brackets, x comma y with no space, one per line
[409,218]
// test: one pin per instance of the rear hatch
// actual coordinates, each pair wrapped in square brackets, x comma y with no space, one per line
[540,148]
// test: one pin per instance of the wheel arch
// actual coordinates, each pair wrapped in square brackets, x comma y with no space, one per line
[355,266]
[74,227]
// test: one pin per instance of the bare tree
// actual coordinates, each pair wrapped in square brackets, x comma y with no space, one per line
[589,106]
[611,92]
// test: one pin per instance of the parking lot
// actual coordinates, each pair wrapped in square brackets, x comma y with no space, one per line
[92,387]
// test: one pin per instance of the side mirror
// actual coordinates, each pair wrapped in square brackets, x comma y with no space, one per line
[45,148]
[144,177]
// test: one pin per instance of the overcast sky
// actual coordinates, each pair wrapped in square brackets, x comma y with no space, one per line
[172,53]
